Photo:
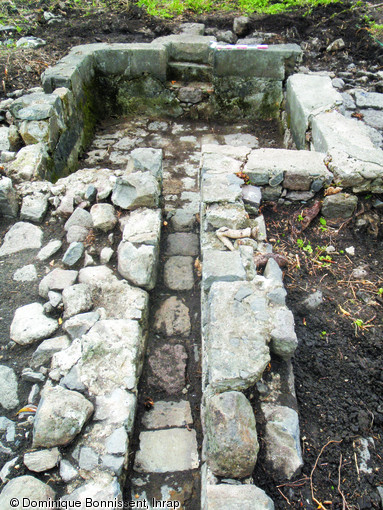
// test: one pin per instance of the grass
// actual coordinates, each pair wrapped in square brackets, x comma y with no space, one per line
[171,8]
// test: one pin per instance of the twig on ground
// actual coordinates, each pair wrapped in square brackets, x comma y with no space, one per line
[320,506]
[283,496]
[345,505]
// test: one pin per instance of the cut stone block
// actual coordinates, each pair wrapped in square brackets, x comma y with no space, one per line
[139,189]
[168,414]
[298,169]
[146,159]
[187,48]
[221,188]
[308,95]
[178,273]
[270,63]
[182,244]
[163,451]
[34,207]
[189,72]
[216,163]
[138,265]
[221,266]
[168,368]
[236,336]
[225,215]
[341,205]
[172,318]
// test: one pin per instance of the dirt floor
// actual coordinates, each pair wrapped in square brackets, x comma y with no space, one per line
[338,365]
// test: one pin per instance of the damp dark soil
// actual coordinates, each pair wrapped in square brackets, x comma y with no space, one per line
[338,364]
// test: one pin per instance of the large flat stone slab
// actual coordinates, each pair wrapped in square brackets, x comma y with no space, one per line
[221,188]
[178,273]
[297,169]
[236,336]
[163,451]
[21,236]
[308,95]
[221,266]
[168,414]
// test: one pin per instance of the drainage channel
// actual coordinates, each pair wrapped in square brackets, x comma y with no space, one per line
[166,448]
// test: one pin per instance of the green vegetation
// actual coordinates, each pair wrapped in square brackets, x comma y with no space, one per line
[171,8]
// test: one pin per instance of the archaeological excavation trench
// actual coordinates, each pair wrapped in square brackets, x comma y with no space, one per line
[152,337]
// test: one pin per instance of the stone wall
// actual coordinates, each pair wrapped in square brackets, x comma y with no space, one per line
[172,76]
[244,320]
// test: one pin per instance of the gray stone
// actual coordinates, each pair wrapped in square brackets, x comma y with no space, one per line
[178,273]
[110,343]
[102,487]
[67,471]
[138,189]
[138,264]
[242,140]
[80,324]
[64,360]
[168,365]
[103,216]
[221,266]
[187,48]
[60,416]
[81,218]
[373,118]
[55,298]
[172,318]
[269,193]
[29,324]
[88,459]
[283,450]
[313,301]
[241,25]
[30,163]
[116,407]
[21,236]
[50,249]
[72,380]
[338,83]
[252,196]
[221,188]
[8,388]
[95,275]
[47,348]
[8,198]
[113,463]
[42,460]
[116,299]
[192,28]
[162,451]
[144,159]
[365,99]
[143,226]
[225,215]
[182,244]
[218,163]
[168,414]
[236,336]
[300,196]
[191,95]
[25,274]
[308,95]
[106,254]
[30,42]
[340,205]
[237,497]
[76,234]
[4,141]
[284,341]
[30,376]
[226,36]
[336,45]
[230,435]
[73,254]
[117,443]
[183,221]
[66,206]
[58,279]
[25,487]
[77,299]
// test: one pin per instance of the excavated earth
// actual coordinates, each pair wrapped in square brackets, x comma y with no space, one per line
[338,364]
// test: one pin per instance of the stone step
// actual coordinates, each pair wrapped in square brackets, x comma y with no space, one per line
[189,71]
